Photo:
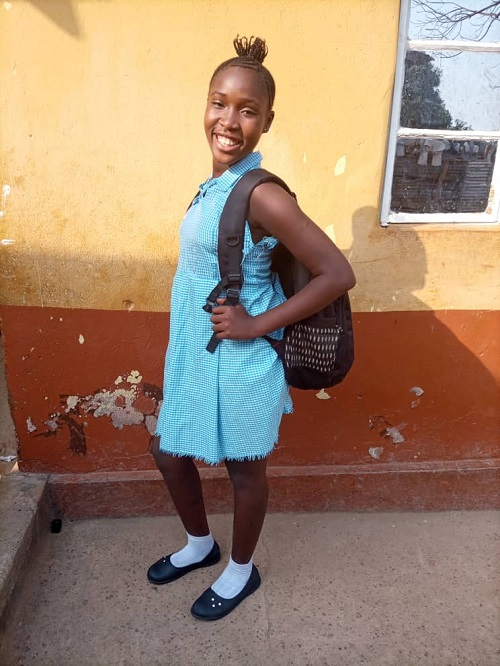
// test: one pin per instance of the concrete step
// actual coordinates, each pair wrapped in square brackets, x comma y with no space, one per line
[24,519]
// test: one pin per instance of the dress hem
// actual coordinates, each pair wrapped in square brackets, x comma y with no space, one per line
[213,463]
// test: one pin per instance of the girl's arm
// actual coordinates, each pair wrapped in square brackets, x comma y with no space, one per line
[273,212]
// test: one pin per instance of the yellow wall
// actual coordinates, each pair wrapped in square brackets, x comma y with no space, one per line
[102,146]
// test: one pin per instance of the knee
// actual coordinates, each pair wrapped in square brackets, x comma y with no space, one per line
[244,481]
[162,460]
[171,467]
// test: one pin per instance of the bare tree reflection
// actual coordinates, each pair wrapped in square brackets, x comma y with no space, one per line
[457,20]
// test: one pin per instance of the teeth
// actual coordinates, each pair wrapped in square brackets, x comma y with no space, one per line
[225,141]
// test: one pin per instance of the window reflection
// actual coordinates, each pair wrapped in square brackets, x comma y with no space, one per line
[437,175]
[474,20]
[451,91]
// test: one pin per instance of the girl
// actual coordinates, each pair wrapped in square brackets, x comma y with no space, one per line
[227,406]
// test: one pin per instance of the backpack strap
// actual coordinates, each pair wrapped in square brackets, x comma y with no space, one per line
[232,237]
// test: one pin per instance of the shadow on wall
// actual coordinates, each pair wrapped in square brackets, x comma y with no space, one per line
[416,349]
[63,14]
[76,278]
[396,267]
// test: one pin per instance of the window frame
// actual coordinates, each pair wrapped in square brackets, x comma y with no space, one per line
[492,214]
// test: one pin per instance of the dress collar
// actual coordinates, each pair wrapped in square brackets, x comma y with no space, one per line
[226,180]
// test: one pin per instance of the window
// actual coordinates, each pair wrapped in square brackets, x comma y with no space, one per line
[443,164]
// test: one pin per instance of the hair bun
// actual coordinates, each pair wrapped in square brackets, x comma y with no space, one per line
[253,47]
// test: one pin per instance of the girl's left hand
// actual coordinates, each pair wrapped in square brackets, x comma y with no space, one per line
[232,322]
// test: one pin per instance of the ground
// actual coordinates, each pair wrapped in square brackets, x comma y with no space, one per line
[339,589]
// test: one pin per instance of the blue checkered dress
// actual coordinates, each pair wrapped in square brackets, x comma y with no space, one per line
[226,405]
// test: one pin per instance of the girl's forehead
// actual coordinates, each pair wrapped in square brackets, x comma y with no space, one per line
[236,79]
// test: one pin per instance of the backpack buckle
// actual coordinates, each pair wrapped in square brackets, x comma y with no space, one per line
[232,296]
[209,306]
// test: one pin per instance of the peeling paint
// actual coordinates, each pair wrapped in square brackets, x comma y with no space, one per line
[340,166]
[151,422]
[394,433]
[77,439]
[128,305]
[323,395]
[6,190]
[417,391]
[51,424]
[377,421]
[71,402]
[133,402]
[30,425]
[376,451]
[330,232]
[134,377]
[81,339]
[116,404]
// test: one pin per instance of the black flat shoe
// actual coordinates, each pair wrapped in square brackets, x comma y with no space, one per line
[163,571]
[212,607]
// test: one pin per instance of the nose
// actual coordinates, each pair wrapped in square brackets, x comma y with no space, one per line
[230,117]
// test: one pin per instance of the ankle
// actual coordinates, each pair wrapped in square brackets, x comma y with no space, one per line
[233,579]
[196,549]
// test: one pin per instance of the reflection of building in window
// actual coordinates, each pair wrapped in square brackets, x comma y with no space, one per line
[442,176]
[445,126]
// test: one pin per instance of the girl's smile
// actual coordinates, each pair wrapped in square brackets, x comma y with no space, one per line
[237,114]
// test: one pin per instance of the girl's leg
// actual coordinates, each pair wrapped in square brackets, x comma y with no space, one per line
[184,484]
[183,481]
[250,504]
[251,492]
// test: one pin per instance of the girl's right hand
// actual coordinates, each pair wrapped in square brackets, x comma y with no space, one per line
[232,322]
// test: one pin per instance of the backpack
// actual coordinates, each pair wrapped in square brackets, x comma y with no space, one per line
[316,352]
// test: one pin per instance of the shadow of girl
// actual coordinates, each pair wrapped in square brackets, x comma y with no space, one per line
[424,378]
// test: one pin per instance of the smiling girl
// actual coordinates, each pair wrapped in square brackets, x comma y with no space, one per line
[227,406]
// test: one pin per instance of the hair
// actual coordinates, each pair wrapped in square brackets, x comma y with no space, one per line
[251,54]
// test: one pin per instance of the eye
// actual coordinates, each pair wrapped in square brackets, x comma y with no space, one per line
[248,112]
[217,103]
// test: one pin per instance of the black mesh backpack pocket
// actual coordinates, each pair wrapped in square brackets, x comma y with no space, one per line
[312,344]
[318,352]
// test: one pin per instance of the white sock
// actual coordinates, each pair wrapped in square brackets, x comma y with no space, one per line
[196,549]
[233,579]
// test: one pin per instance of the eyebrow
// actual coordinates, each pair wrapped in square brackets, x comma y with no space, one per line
[249,100]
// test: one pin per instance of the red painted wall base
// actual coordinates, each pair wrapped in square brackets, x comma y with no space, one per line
[415,425]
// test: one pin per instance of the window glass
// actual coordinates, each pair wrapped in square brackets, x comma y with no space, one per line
[451,90]
[438,175]
[445,125]
[475,20]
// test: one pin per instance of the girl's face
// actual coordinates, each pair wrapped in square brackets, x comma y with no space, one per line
[236,115]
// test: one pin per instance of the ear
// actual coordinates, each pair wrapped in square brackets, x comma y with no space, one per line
[269,121]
